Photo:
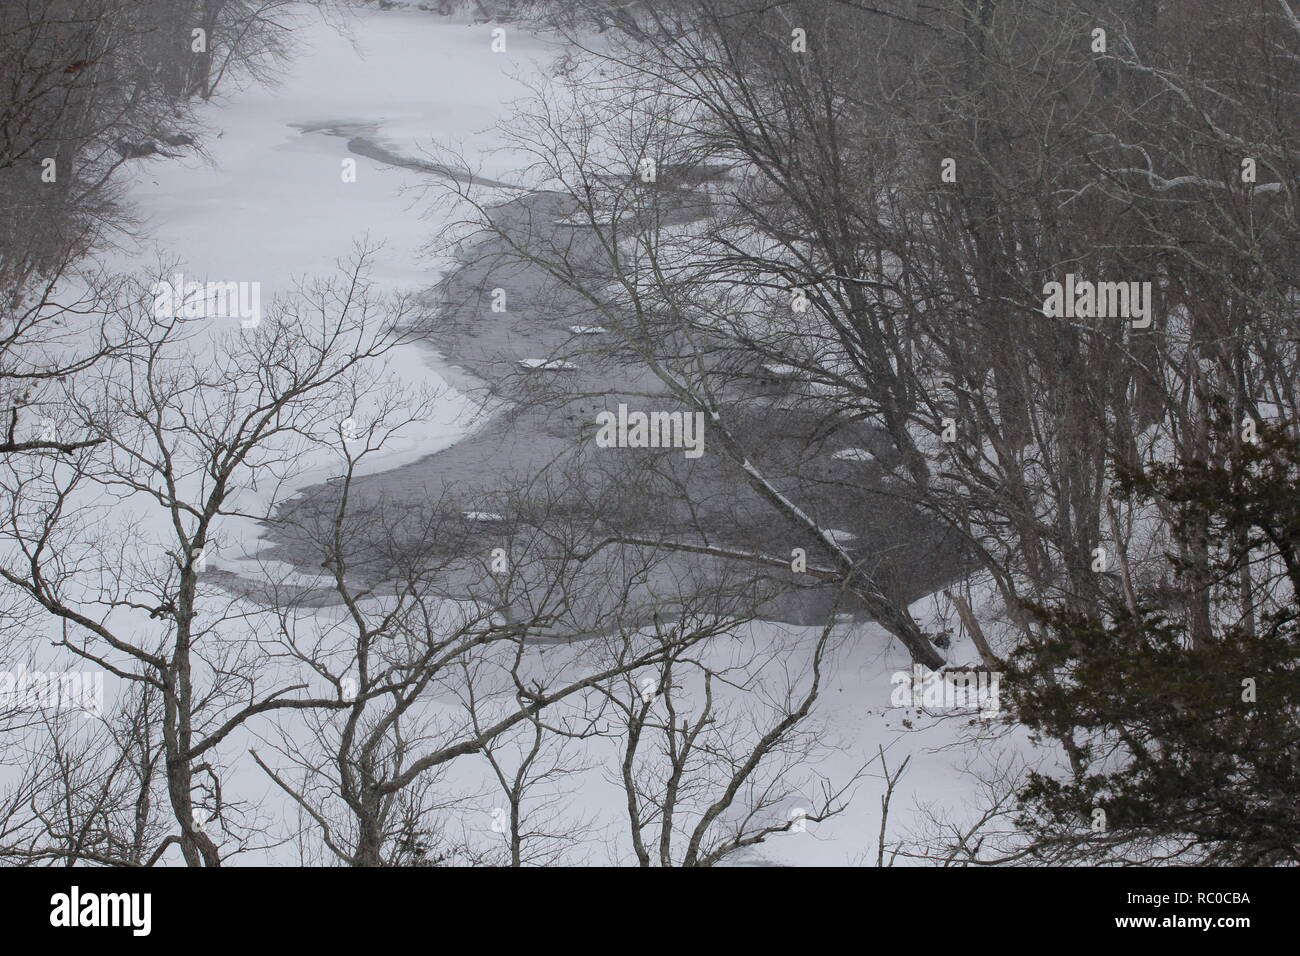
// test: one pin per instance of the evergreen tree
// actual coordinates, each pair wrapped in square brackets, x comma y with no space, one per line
[1180,750]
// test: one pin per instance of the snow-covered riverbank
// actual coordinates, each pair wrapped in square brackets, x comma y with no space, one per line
[272,204]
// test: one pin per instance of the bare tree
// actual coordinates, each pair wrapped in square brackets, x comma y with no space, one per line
[715,747]
[179,437]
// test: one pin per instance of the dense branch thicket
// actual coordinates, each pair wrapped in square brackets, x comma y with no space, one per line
[865,206]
